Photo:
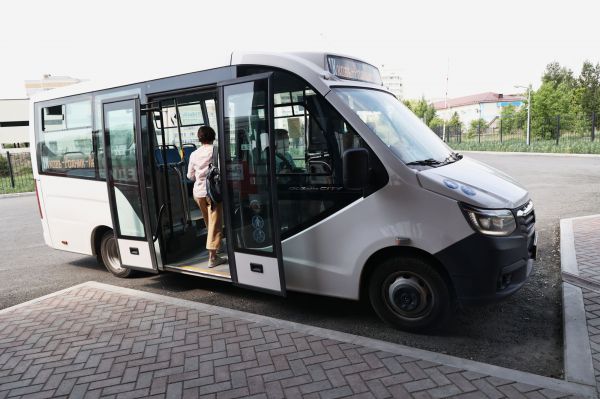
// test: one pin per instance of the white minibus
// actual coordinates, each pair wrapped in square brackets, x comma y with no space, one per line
[330,186]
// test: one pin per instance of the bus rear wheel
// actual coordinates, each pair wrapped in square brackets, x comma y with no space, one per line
[109,256]
[409,294]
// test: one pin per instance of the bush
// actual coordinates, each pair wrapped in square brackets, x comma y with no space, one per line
[3,166]
[581,147]
[476,126]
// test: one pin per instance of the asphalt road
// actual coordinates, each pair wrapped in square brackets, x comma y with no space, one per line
[523,332]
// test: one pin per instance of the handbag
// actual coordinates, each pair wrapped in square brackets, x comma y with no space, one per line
[213,182]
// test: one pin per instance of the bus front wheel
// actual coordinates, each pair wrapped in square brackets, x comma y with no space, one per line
[109,256]
[409,294]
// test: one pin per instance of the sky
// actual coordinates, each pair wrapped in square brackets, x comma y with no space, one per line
[456,47]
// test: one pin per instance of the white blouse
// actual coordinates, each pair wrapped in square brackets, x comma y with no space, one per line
[198,168]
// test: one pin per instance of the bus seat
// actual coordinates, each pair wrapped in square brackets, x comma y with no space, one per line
[172,154]
[322,170]
[188,148]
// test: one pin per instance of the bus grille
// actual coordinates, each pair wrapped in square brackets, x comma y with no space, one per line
[525,216]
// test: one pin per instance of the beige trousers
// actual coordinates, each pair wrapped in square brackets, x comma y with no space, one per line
[213,218]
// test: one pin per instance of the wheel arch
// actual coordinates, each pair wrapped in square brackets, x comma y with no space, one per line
[400,251]
[96,238]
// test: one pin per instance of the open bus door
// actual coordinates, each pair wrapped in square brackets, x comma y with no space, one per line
[126,181]
[247,153]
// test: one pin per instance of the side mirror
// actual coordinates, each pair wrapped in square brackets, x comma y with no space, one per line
[355,168]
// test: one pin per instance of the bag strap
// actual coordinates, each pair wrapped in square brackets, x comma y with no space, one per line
[215,156]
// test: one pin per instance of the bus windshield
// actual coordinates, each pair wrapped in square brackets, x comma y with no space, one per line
[401,130]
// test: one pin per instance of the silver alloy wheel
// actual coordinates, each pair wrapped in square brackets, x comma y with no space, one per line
[112,256]
[408,295]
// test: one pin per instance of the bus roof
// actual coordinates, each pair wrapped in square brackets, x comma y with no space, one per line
[312,66]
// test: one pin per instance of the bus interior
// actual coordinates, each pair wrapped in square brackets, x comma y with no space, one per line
[310,138]
[301,122]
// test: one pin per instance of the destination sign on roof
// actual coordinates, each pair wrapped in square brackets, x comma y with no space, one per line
[347,68]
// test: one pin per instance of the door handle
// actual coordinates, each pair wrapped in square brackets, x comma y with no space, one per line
[256,268]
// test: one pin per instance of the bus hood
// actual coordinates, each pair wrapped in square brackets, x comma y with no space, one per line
[474,183]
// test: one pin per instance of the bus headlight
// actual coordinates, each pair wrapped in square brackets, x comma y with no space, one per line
[492,222]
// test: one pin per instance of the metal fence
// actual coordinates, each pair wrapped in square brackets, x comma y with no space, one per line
[16,174]
[557,130]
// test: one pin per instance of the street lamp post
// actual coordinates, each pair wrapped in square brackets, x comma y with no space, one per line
[528,111]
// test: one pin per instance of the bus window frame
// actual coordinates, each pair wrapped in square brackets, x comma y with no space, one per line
[39,131]
[105,94]
[376,162]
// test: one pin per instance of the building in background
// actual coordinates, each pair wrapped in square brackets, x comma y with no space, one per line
[487,106]
[48,82]
[392,80]
[14,125]
[14,113]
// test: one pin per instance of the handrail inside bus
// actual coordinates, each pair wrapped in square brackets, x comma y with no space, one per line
[183,193]
[158,224]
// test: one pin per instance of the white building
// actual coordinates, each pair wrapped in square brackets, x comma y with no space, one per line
[48,82]
[14,125]
[392,80]
[14,113]
[487,106]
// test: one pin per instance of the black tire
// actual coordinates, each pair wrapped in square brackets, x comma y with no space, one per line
[109,256]
[409,294]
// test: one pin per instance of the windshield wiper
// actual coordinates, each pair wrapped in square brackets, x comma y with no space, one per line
[427,162]
[453,157]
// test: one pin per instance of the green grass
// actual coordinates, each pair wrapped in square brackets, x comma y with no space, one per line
[570,147]
[22,185]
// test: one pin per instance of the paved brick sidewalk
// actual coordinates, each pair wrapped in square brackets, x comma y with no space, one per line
[100,341]
[586,234]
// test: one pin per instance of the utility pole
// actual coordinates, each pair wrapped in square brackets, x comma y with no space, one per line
[529,114]
[446,101]
[528,139]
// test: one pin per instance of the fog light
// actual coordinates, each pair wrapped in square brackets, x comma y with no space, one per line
[504,281]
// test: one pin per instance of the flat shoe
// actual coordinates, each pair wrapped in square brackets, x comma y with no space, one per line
[216,262]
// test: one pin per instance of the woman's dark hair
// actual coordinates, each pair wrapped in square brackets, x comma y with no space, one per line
[206,134]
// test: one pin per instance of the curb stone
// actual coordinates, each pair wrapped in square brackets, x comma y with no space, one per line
[577,350]
[545,154]
[14,195]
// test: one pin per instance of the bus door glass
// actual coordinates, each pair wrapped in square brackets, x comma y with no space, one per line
[126,182]
[250,201]
[174,123]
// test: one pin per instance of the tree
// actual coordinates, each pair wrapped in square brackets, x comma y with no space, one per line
[424,110]
[476,126]
[555,97]
[556,75]
[455,121]
[587,93]
[548,102]
[513,118]
[508,118]
[436,122]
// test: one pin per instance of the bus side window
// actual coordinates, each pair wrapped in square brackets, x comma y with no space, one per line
[66,140]
[318,136]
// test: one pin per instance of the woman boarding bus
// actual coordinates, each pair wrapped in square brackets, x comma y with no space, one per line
[376,206]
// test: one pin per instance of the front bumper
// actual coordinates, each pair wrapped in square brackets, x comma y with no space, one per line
[486,269]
